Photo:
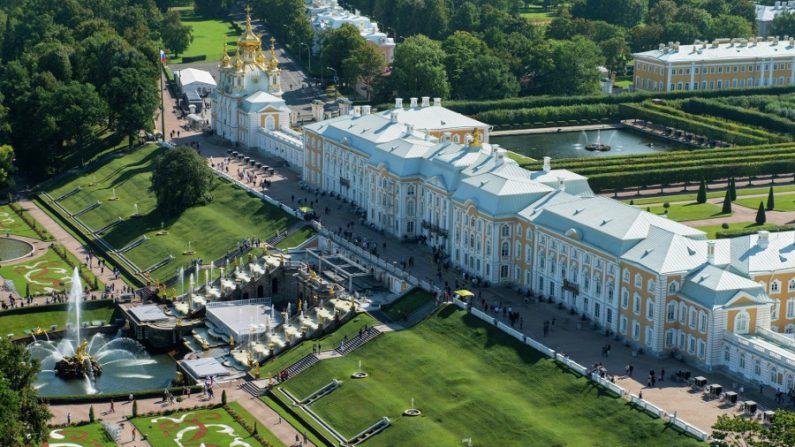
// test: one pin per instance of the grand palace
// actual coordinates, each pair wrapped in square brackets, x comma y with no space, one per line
[425,173]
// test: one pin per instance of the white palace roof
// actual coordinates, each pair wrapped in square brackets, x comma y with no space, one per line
[722,49]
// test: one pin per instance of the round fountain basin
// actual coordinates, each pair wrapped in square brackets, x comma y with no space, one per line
[411,412]
[359,375]
[13,249]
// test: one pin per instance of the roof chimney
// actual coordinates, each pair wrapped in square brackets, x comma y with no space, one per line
[365,110]
[413,103]
[711,252]
[547,167]
[763,239]
[499,154]
[409,129]
[437,102]
[398,103]
[561,184]
[446,137]
[357,111]
[393,117]
[426,101]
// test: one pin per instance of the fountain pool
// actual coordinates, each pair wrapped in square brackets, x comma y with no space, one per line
[11,249]
[77,364]
[572,144]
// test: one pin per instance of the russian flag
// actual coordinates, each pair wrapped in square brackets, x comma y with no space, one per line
[162,57]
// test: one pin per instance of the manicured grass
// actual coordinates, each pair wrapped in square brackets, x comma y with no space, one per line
[327,342]
[470,379]
[406,305]
[250,420]
[689,211]
[537,14]
[290,419]
[296,238]
[11,223]
[89,435]
[519,158]
[202,425]
[41,275]
[212,230]
[782,202]
[209,36]
[14,323]
[710,194]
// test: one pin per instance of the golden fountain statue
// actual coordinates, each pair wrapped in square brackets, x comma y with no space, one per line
[79,365]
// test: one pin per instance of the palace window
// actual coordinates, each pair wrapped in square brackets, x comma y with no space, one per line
[741,322]
[638,280]
[624,298]
[671,314]
[623,326]
[504,251]
[649,336]
[649,309]
[625,275]
[791,308]
[672,287]
[775,286]
[702,322]
[758,367]
[742,361]
[727,354]
[650,286]
[636,303]
[691,321]
[506,230]
[791,285]
[635,330]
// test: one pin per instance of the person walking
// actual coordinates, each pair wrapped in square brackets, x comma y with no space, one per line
[112,409]
[69,418]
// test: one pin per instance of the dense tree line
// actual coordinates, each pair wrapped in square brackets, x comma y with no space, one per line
[72,70]
[286,20]
[507,55]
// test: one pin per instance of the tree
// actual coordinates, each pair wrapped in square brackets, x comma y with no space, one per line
[760,214]
[135,408]
[616,53]
[727,203]
[365,64]
[662,13]
[626,13]
[212,8]
[176,36]
[181,179]
[6,165]
[487,77]
[701,197]
[459,48]
[24,417]
[91,416]
[733,188]
[466,17]
[223,397]
[287,20]
[771,200]
[783,24]
[338,45]
[573,70]
[645,37]
[729,26]
[418,68]
[79,110]
[133,98]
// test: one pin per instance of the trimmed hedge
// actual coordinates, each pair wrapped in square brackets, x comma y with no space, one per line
[475,107]
[90,304]
[118,397]
[189,59]
[753,230]
[541,116]
[691,124]
[739,114]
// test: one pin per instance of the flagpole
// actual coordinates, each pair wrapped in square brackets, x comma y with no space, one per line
[162,95]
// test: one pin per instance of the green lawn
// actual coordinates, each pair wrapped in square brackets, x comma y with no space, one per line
[212,230]
[327,342]
[537,14]
[43,275]
[710,194]
[263,432]
[11,223]
[712,229]
[209,36]
[12,323]
[681,212]
[89,435]
[296,238]
[205,427]
[782,202]
[519,158]
[471,380]
[407,304]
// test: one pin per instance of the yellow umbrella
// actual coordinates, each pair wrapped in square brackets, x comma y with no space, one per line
[464,293]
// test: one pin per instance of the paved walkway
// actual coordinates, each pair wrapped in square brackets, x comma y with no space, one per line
[234,393]
[501,133]
[65,239]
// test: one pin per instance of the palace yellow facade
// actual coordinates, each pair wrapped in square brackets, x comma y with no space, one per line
[721,64]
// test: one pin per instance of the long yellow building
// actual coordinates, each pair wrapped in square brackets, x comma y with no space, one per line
[720,64]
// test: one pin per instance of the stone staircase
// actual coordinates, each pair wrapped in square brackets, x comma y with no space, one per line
[358,341]
[299,366]
[252,388]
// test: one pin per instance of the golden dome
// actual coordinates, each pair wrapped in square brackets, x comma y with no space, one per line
[226,61]
[273,64]
[248,39]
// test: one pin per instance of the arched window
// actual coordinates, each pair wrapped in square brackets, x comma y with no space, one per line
[727,354]
[775,286]
[673,287]
[671,313]
[638,280]
[741,322]
[505,250]
[742,361]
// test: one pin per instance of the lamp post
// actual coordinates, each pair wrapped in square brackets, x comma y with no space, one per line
[308,52]
[335,74]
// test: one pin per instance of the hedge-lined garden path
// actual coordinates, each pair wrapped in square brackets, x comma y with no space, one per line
[65,239]
[264,414]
